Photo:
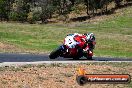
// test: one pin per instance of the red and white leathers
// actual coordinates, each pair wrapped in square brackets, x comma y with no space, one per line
[82,43]
[81,39]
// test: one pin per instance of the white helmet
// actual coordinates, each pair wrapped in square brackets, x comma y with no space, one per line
[90,37]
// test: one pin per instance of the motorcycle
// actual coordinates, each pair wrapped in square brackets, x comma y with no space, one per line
[68,50]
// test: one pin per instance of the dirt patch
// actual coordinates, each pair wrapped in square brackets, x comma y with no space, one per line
[10,48]
[5,47]
[56,75]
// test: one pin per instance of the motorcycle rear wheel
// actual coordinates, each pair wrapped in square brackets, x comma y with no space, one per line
[89,58]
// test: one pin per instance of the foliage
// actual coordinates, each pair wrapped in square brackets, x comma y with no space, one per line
[19,10]
[42,10]
[4,9]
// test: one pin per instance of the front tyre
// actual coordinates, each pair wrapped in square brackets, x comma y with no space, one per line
[54,54]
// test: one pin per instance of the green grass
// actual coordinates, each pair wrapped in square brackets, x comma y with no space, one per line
[113,35]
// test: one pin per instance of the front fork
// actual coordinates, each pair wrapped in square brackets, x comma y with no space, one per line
[63,49]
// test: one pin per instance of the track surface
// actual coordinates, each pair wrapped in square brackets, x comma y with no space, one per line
[5,57]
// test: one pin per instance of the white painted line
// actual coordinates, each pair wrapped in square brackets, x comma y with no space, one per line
[51,62]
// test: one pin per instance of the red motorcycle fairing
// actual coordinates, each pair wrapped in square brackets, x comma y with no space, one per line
[73,51]
[69,52]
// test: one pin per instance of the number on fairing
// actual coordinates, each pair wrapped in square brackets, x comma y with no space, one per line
[69,41]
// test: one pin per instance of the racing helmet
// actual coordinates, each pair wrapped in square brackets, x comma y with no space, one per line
[90,37]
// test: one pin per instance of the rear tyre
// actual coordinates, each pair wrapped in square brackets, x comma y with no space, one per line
[89,58]
[54,54]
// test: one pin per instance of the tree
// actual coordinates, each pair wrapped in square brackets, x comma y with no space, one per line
[4,9]
[94,5]
[20,10]
[118,2]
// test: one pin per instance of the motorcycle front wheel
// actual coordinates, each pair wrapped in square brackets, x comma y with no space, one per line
[54,54]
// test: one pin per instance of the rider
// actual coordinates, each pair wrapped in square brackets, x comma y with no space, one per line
[90,40]
[86,42]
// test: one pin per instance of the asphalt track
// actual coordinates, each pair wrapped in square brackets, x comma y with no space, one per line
[6,57]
